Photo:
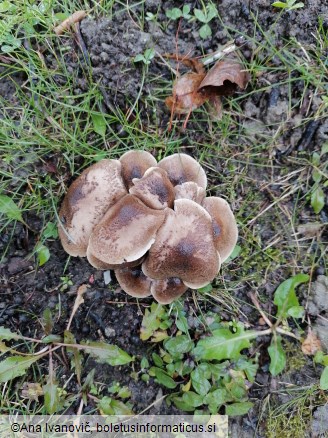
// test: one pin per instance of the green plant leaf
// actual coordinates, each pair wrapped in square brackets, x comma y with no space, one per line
[151,320]
[317,199]
[15,366]
[296,311]
[51,396]
[139,58]
[43,254]
[285,295]
[281,5]
[178,345]
[106,353]
[174,13]
[7,335]
[199,382]
[216,398]
[77,357]
[163,378]
[47,321]
[223,344]
[99,124]
[277,356]
[182,405]
[51,338]
[238,408]
[235,253]
[158,361]
[296,6]
[199,14]
[109,406]
[324,379]
[9,208]
[192,399]
[185,12]
[5,6]
[248,367]
[205,31]
[206,289]
[212,12]
[50,231]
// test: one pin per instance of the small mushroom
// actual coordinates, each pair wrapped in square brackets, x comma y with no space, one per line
[88,198]
[184,247]
[224,225]
[190,190]
[168,290]
[154,189]
[125,233]
[182,168]
[134,165]
[134,282]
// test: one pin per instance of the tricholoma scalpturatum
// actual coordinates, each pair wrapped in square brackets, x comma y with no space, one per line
[150,222]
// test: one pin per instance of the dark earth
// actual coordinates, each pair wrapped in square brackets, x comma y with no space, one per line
[108,45]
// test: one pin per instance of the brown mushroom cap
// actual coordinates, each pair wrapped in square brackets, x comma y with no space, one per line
[154,189]
[224,225]
[190,190]
[134,165]
[125,233]
[134,282]
[168,290]
[99,264]
[88,198]
[184,247]
[182,168]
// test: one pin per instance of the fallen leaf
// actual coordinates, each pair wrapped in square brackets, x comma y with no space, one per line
[186,97]
[310,229]
[70,21]
[225,76]
[32,391]
[78,301]
[192,90]
[311,344]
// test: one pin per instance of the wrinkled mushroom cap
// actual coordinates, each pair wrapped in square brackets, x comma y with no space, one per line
[134,282]
[184,247]
[224,225]
[126,232]
[154,189]
[134,165]
[168,290]
[88,198]
[182,168]
[190,190]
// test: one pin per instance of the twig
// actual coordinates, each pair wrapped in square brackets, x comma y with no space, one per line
[70,21]
[257,305]
[219,54]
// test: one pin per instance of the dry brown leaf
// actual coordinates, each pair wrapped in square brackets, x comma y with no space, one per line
[310,229]
[185,96]
[78,301]
[195,64]
[225,76]
[70,21]
[32,391]
[192,90]
[311,344]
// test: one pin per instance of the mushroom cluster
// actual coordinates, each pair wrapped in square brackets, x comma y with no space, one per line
[150,222]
